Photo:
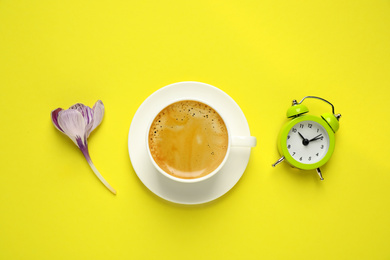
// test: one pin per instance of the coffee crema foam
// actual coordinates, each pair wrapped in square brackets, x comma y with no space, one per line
[188,139]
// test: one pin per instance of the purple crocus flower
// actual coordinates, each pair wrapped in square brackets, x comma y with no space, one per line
[77,123]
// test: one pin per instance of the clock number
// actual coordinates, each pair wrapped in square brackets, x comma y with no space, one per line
[318,130]
[309,158]
[293,154]
[300,159]
[288,137]
[322,146]
[310,125]
[294,130]
[289,146]
[317,154]
[301,125]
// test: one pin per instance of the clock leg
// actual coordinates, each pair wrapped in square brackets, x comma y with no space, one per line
[319,173]
[278,161]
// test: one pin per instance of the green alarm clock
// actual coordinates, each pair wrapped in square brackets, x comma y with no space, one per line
[307,142]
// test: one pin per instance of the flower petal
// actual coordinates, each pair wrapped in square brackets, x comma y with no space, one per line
[54,118]
[87,114]
[98,113]
[72,123]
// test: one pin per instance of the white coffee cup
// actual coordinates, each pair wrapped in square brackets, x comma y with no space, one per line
[233,141]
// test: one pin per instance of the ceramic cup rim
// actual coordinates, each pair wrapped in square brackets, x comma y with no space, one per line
[194,180]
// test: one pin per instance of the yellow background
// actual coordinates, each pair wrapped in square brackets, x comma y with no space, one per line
[263,54]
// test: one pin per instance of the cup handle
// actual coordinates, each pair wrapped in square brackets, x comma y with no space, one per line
[244,141]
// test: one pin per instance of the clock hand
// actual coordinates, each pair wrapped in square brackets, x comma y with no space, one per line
[316,138]
[304,140]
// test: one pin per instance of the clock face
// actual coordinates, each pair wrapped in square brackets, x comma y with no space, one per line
[307,142]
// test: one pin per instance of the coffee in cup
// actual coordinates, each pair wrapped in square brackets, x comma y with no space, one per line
[188,139]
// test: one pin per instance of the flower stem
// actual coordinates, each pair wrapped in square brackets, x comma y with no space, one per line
[97,173]
[84,150]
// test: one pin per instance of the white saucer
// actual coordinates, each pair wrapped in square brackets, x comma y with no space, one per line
[188,193]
